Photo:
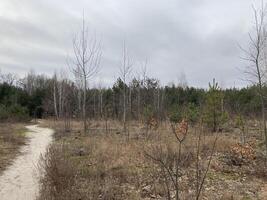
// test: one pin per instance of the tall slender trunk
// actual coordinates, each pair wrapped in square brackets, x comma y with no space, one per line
[158,104]
[60,99]
[101,104]
[55,99]
[124,109]
[138,103]
[130,103]
[214,119]
[263,118]
[79,102]
[262,99]
[94,106]
[162,106]
[84,106]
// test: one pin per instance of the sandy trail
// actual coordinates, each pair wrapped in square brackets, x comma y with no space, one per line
[20,180]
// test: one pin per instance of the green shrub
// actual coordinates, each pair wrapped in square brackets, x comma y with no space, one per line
[148,113]
[18,113]
[176,114]
[189,112]
[3,113]
[192,113]
[14,113]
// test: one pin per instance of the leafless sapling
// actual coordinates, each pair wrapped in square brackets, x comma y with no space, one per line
[87,56]
[125,70]
[256,56]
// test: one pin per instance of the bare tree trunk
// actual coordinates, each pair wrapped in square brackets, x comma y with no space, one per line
[124,72]
[158,104]
[94,105]
[138,103]
[79,97]
[55,96]
[124,109]
[162,106]
[263,113]
[130,102]
[60,101]
[100,104]
[84,106]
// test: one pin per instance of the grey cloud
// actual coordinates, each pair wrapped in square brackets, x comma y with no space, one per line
[198,37]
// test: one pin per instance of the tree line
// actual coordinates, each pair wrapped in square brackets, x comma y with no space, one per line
[42,96]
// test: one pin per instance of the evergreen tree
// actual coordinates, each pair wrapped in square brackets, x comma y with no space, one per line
[214,114]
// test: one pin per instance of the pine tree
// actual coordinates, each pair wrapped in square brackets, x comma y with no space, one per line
[214,114]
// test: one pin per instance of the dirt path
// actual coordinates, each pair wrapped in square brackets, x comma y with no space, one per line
[20,180]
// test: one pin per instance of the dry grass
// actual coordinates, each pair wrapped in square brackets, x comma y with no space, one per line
[12,136]
[108,165]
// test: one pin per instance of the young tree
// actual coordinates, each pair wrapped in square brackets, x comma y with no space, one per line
[139,84]
[214,115]
[125,70]
[173,161]
[256,56]
[62,93]
[8,78]
[240,124]
[28,82]
[87,56]
[182,81]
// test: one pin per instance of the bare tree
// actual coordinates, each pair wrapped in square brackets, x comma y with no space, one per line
[182,81]
[202,168]
[8,78]
[62,92]
[125,70]
[28,82]
[173,161]
[66,110]
[87,55]
[256,56]
[141,76]
[138,97]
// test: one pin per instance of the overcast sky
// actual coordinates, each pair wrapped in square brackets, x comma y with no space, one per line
[196,37]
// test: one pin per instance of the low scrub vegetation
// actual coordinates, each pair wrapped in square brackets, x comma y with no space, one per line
[15,113]
[184,162]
